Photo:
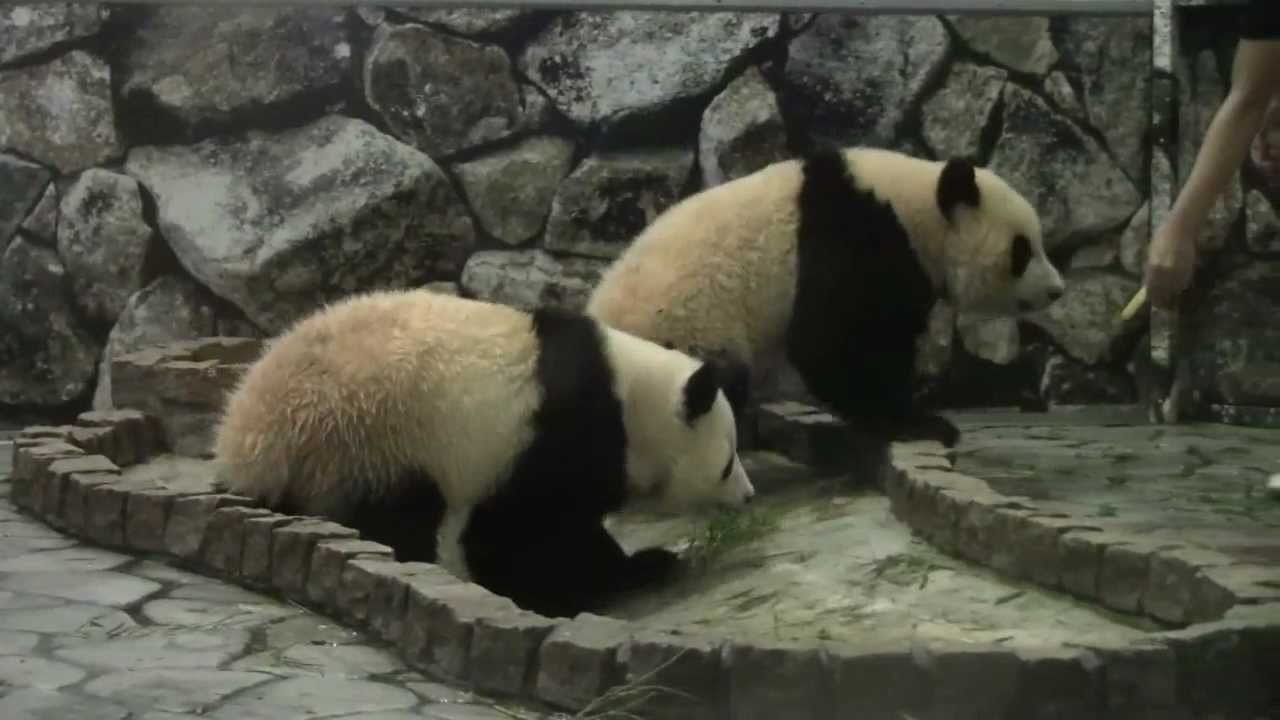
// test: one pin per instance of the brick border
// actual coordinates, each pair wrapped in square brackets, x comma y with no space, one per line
[458,632]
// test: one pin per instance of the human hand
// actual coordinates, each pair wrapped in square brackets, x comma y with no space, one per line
[1171,261]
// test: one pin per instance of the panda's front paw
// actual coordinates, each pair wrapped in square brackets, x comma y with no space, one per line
[653,565]
[936,427]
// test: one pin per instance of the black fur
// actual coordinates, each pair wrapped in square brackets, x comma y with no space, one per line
[406,520]
[700,392]
[957,185]
[1019,256]
[862,299]
[539,540]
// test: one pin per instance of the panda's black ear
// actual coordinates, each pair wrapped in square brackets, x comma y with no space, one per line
[700,392]
[735,380]
[956,185]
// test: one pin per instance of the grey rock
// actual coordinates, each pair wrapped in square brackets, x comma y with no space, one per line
[578,659]
[323,210]
[1078,190]
[1114,61]
[72,561]
[479,22]
[1172,583]
[412,79]
[21,185]
[308,628]
[769,679]
[1232,334]
[531,278]
[877,682]
[20,643]
[1068,382]
[42,224]
[742,130]
[46,357]
[605,68]
[1080,561]
[1095,257]
[512,189]
[103,241]
[1060,91]
[341,661]
[956,116]
[1140,677]
[861,73]
[357,587]
[28,29]
[463,712]
[610,198]
[60,113]
[1057,682]
[223,539]
[327,561]
[156,650]
[37,672]
[255,558]
[200,588]
[188,518]
[1122,578]
[307,696]
[1018,43]
[206,64]
[179,691]
[443,611]
[996,340]
[1204,83]
[1133,243]
[1263,230]
[37,703]
[59,473]
[291,548]
[1083,321]
[504,649]
[687,664]
[171,307]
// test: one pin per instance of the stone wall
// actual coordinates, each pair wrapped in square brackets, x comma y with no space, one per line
[176,172]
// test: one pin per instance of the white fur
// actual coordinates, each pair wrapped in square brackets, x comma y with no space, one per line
[385,380]
[721,264]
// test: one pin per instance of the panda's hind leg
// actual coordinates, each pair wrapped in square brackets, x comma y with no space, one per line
[406,520]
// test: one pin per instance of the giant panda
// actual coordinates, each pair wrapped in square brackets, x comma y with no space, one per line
[403,413]
[831,263]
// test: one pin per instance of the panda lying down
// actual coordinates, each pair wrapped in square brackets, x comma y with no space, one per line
[484,438]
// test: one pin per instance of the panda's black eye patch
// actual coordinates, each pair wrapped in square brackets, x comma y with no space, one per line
[728,468]
[1020,254]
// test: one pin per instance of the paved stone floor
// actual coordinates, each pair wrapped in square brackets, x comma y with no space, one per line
[1201,484]
[89,634]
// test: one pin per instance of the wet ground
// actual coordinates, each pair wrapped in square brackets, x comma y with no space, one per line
[1203,484]
[89,634]
[813,559]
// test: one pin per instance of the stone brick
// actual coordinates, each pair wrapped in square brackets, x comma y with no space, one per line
[388,601]
[1080,562]
[1139,677]
[445,614]
[879,683]
[770,679]
[1010,529]
[1218,588]
[188,518]
[972,682]
[75,500]
[1123,576]
[291,547]
[504,651]
[355,589]
[104,514]
[976,529]
[1058,683]
[146,511]
[1172,579]
[578,660]
[255,557]
[223,541]
[51,492]
[135,436]
[1219,672]
[327,561]
[30,465]
[1039,552]
[687,664]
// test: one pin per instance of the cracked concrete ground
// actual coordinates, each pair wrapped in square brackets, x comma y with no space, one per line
[92,634]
